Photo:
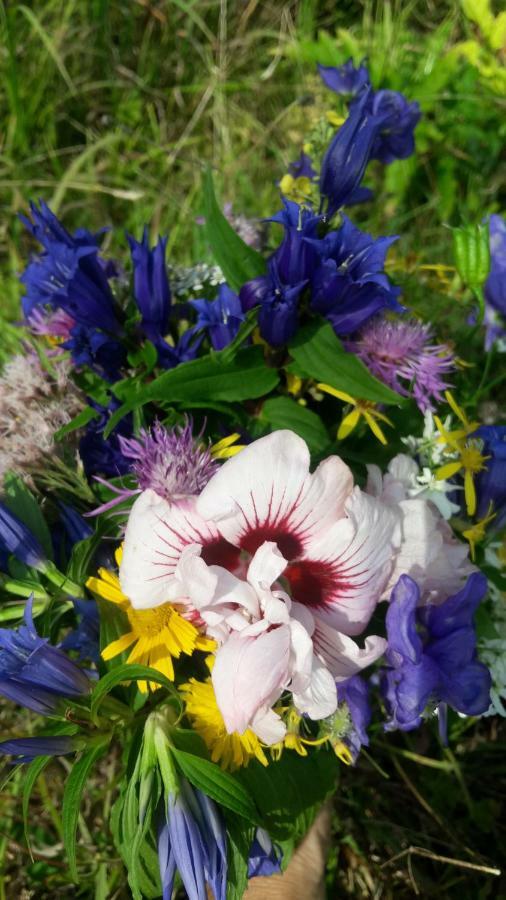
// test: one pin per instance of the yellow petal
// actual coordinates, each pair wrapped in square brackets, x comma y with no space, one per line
[375,428]
[341,395]
[348,424]
[116,647]
[456,409]
[470,493]
[448,470]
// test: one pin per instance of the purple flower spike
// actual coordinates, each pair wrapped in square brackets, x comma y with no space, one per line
[432,654]
[403,356]
[171,463]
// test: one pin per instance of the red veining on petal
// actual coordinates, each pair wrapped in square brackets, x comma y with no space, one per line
[218,552]
[313,583]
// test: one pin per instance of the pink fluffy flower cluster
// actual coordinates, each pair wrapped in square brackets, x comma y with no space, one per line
[284,568]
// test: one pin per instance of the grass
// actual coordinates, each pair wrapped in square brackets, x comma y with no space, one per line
[110,112]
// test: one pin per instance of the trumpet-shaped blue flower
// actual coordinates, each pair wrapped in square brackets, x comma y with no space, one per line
[302,167]
[16,538]
[192,840]
[491,481]
[75,525]
[495,287]
[395,138]
[349,152]
[355,693]
[346,79]
[349,285]
[278,315]
[221,317]
[29,748]
[96,350]
[432,654]
[296,256]
[85,639]
[69,274]
[103,456]
[263,856]
[35,674]
[151,284]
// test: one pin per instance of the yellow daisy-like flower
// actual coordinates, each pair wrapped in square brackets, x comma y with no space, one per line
[231,751]
[361,409]
[470,461]
[476,533]
[453,438]
[297,189]
[159,635]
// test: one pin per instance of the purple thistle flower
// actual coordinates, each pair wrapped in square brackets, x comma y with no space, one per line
[401,355]
[171,463]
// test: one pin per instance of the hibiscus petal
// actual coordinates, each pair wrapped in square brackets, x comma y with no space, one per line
[156,534]
[249,674]
[342,655]
[267,493]
[319,699]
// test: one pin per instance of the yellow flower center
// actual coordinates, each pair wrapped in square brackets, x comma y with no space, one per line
[150,622]
[472,459]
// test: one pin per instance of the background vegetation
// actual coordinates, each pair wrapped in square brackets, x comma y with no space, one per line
[109,112]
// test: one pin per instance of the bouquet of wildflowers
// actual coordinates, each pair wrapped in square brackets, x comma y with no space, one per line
[249,513]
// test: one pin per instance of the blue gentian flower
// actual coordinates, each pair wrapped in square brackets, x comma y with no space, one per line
[17,539]
[349,286]
[185,350]
[221,317]
[349,152]
[395,139]
[85,639]
[495,287]
[75,525]
[35,674]
[278,314]
[69,274]
[302,167]
[103,456]
[296,257]
[491,482]
[263,857]
[96,350]
[432,654]
[151,284]
[29,748]
[192,840]
[355,693]
[346,79]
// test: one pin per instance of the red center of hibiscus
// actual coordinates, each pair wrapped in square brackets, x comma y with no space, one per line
[220,553]
[288,543]
[311,583]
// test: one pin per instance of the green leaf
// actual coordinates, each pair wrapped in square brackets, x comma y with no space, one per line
[286,792]
[211,377]
[79,421]
[23,504]
[319,354]
[31,774]
[283,412]
[74,787]
[238,262]
[239,840]
[220,785]
[126,672]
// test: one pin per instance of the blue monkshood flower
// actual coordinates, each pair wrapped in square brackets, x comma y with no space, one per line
[349,152]
[495,287]
[17,539]
[349,286]
[29,748]
[263,857]
[35,674]
[85,639]
[302,167]
[491,482]
[432,654]
[395,138]
[192,840]
[221,317]
[278,314]
[96,350]
[346,79]
[355,693]
[151,284]
[77,528]
[296,257]
[69,274]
